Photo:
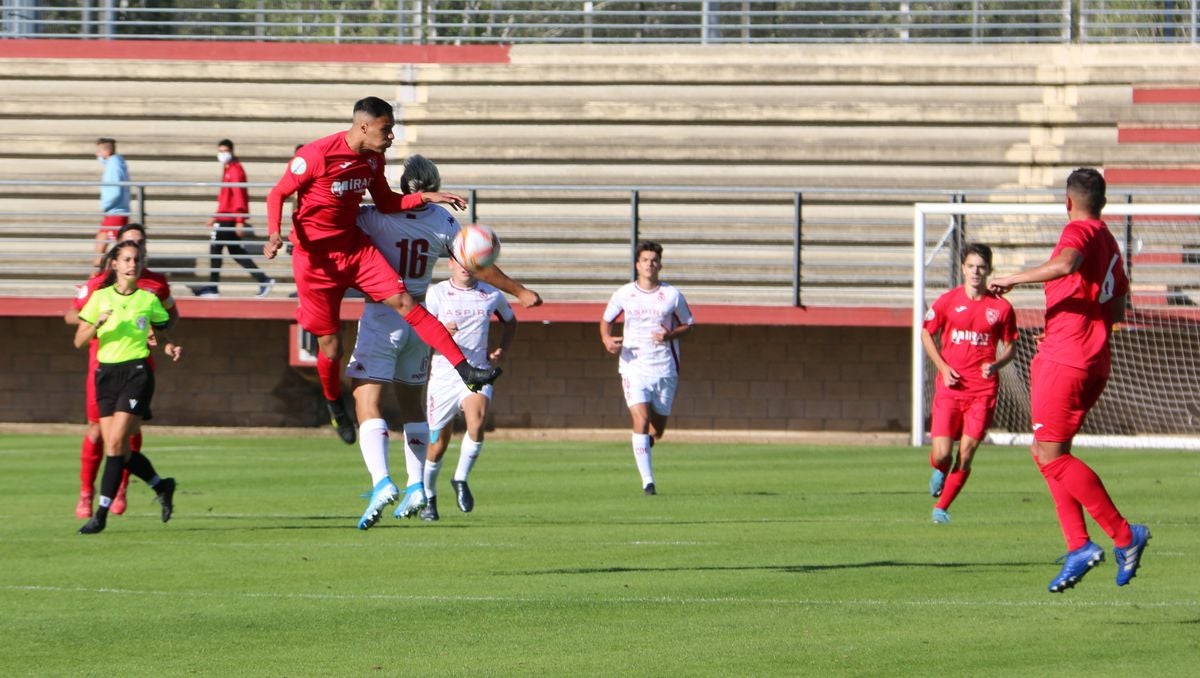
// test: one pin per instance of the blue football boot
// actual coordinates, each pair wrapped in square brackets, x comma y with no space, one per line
[414,500]
[935,483]
[1130,558]
[385,493]
[1076,564]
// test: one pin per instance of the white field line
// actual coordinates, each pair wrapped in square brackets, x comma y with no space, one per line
[660,600]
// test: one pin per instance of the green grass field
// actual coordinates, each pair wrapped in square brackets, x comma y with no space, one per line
[753,560]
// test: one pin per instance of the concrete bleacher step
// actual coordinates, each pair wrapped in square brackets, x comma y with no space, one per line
[849,117]
[728,111]
[313,75]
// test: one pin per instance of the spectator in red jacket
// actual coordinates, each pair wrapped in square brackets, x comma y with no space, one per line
[229,225]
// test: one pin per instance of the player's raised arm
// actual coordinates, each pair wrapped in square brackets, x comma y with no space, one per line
[497,278]
[389,201]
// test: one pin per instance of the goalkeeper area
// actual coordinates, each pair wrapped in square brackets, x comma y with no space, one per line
[753,560]
[1153,396]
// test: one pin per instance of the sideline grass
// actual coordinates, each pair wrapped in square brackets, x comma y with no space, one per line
[753,560]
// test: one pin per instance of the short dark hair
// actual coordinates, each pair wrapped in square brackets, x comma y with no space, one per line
[648,246]
[107,141]
[420,175]
[1086,187]
[225,142]
[131,226]
[983,251]
[374,107]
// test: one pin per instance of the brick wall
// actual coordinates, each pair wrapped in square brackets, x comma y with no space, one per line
[236,373]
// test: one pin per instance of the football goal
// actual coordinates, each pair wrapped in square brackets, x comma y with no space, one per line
[1153,396]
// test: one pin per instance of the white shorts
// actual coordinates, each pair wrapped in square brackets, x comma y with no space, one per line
[659,392]
[444,398]
[388,349]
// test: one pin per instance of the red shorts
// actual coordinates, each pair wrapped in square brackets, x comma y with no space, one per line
[322,279]
[955,416]
[109,226]
[1060,398]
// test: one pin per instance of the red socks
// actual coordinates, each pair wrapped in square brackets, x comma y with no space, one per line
[1074,485]
[954,484]
[329,372]
[91,452]
[434,333]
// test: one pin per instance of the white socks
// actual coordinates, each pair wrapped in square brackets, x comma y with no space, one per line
[641,455]
[432,469]
[416,441]
[373,441]
[468,452]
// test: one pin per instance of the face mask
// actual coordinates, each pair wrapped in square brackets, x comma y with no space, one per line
[100,159]
[224,157]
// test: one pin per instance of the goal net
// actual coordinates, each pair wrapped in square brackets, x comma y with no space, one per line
[1153,396]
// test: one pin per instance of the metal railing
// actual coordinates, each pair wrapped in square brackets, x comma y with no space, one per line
[595,21]
[759,246]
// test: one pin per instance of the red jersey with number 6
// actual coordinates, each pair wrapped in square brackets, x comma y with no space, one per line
[1079,313]
[970,332]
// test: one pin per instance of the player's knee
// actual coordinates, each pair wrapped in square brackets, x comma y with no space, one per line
[402,302]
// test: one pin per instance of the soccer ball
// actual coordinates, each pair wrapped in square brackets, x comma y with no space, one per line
[476,246]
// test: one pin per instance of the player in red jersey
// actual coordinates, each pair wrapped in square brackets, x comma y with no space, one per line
[330,254]
[91,451]
[973,325]
[1086,289]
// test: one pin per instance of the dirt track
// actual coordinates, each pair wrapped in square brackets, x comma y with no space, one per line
[734,437]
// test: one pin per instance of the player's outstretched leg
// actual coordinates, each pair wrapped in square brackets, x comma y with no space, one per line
[1129,559]
[1076,564]
[384,494]
[414,500]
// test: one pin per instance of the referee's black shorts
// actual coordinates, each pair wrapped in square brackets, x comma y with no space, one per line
[125,387]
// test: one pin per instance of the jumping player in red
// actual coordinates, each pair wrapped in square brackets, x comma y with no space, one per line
[973,324]
[330,254]
[92,450]
[1086,291]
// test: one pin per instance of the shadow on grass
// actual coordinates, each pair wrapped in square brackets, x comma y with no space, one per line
[790,569]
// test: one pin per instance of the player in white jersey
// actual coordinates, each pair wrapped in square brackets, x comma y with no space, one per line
[656,316]
[388,350]
[465,306]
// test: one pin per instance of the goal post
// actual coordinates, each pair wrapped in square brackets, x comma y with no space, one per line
[1153,397]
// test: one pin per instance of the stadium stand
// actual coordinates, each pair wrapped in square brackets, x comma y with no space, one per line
[861,130]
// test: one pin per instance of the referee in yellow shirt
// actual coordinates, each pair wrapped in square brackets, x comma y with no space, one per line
[120,316]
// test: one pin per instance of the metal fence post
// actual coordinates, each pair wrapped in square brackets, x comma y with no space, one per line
[797,246]
[589,8]
[141,193]
[107,14]
[633,232]
[472,203]
[1129,240]
[957,239]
